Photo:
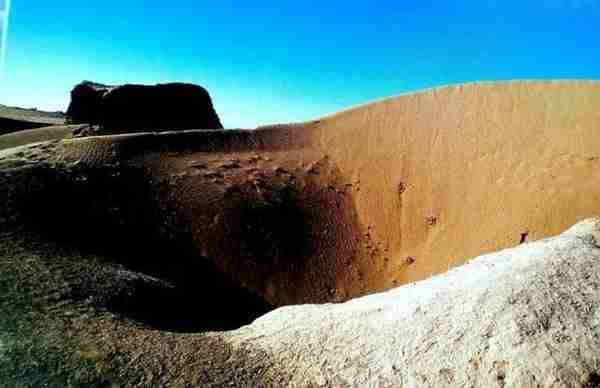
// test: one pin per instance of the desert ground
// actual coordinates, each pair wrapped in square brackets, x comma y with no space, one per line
[322,253]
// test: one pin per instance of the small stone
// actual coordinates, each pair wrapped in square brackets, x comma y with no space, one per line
[401,187]
[198,165]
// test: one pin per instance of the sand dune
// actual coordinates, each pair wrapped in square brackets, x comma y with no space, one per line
[369,198]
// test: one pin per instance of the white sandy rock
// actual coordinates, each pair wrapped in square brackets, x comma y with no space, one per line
[523,317]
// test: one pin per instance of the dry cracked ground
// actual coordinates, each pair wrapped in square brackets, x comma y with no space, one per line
[242,258]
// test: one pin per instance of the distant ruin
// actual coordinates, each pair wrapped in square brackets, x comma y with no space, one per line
[140,108]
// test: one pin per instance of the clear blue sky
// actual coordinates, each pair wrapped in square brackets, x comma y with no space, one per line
[279,61]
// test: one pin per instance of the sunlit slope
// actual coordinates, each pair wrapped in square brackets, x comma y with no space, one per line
[450,173]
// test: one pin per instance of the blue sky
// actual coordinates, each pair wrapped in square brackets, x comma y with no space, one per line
[3,15]
[276,61]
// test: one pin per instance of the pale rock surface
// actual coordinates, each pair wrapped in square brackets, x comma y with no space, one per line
[522,317]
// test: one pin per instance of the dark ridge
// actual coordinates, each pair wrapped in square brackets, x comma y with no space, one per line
[133,144]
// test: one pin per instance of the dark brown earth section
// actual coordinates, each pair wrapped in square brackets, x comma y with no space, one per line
[107,301]
[260,220]
[112,212]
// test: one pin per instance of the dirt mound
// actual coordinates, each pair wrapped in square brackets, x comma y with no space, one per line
[360,201]
[136,108]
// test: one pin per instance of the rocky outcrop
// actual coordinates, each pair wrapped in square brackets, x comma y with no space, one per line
[136,108]
[86,103]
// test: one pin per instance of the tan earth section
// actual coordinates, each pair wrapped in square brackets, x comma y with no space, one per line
[376,196]
[455,172]
[391,192]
